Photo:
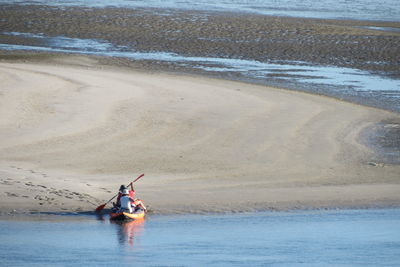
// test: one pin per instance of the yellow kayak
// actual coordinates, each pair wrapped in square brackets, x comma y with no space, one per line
[121,216]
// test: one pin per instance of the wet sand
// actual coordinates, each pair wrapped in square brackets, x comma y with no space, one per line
[211,34]
[359,45]
[72,130]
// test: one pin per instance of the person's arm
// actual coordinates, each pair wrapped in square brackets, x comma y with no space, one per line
[143,206]
[119,199]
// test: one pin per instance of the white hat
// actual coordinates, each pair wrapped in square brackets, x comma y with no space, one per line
[125,192]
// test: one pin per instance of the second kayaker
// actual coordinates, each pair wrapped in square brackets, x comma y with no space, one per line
[126,202]
[121,189]
[130,194]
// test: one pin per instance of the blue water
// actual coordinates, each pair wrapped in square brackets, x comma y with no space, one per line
[332,9]
[302,238]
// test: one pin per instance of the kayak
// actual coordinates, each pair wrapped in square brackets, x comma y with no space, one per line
[126,216]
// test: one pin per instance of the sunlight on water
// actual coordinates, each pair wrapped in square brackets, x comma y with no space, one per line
[331,9]
[64,43]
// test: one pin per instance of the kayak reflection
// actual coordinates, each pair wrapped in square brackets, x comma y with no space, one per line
[128,232]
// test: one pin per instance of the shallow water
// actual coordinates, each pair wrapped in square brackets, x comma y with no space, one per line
[287,70]
[387,10]
[302,238]
[352,84]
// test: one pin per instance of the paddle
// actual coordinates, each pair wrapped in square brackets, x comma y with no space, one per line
[101,207]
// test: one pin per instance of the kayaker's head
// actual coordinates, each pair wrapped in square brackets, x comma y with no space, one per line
[122,188]
[125,192]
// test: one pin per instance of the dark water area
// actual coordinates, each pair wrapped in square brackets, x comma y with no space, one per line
[332,9]
[300,238]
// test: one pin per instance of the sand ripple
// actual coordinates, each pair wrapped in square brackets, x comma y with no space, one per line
[205,145]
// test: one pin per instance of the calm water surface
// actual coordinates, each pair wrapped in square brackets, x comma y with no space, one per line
[307,238]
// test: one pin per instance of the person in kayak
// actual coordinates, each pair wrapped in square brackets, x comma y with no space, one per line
[139,204]
[121,189]
[134,203]
[127,203]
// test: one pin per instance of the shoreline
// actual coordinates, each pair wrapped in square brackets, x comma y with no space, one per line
[148,66]
[249,28]
[335,58]
[82,187]
[89,215]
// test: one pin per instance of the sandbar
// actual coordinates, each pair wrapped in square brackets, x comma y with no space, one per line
[72,131]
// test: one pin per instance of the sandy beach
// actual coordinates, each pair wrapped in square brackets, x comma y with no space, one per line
[73,130]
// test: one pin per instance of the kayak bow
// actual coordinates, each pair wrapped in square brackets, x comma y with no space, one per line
[121,216]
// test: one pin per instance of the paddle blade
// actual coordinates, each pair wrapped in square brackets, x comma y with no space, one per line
[100,208]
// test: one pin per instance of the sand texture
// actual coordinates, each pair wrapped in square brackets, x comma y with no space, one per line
[214,34]
[70,134]
[169,37]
